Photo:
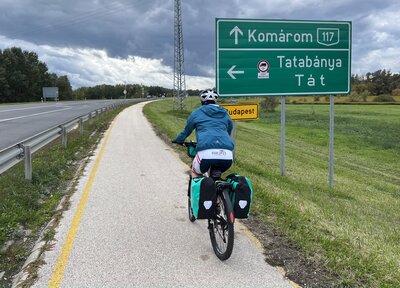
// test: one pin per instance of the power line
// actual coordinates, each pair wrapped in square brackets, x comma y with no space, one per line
[99,12]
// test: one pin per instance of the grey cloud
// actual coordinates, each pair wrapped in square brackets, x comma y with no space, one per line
[145,27]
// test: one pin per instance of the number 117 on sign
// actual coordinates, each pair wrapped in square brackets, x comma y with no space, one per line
[328,36]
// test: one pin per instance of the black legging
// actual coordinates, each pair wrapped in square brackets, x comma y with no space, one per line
[218,164]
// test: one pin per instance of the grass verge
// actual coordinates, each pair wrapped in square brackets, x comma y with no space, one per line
[26,207]
[352,230]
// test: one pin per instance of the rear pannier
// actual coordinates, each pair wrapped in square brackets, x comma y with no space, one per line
[203,196]
[241,196]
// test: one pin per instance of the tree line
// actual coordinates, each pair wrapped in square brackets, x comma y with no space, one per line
[117,91]
[381,82]
[22,76]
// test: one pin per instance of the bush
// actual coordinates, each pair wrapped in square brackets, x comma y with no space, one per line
[269,104]
[354,97]
[364,95]
[384,98]
[396,92]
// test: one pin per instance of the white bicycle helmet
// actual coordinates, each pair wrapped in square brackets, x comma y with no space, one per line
[208,95]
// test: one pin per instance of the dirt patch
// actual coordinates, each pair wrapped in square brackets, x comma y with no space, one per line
[279,252]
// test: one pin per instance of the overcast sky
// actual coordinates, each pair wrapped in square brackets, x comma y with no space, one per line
[132,41]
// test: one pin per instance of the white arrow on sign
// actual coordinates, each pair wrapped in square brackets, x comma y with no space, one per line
[231,72]
[237,31]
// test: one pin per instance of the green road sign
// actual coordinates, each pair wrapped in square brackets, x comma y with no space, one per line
[280,57]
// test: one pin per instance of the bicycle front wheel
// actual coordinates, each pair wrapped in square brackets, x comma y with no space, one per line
[221,228]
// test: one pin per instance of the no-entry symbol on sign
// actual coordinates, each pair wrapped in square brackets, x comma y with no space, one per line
[263,67]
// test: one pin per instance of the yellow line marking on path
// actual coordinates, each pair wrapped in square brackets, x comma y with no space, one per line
[253,238]
[62,261]
[249,235]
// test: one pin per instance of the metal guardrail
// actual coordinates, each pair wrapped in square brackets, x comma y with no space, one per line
[23,150]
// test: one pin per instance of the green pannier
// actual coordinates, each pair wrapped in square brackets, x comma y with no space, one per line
[191,151]
[203,196]
[241,195]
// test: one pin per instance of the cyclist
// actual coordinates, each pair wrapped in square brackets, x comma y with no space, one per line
[213,126]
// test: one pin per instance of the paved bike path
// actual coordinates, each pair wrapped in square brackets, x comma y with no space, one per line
[133,229]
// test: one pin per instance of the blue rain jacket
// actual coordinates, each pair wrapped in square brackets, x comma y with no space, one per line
[213,126]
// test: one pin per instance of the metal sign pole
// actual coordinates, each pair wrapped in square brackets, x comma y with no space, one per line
[283,123]
[331,139]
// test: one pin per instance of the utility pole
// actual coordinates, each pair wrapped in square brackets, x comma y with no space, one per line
[179,93]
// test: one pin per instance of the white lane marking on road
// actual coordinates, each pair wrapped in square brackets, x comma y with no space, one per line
[32,115]
[35,107]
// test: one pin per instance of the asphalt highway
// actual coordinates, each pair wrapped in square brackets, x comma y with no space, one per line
[19,122]
[127,225]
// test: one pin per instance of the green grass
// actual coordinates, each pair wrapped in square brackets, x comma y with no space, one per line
[25,207]
[353,229]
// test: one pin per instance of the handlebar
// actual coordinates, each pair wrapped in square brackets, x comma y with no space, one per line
[186,144]
[191,147]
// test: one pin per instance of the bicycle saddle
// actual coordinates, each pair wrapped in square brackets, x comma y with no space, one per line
[215,173]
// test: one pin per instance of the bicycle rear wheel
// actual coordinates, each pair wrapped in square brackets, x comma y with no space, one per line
[221,228]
